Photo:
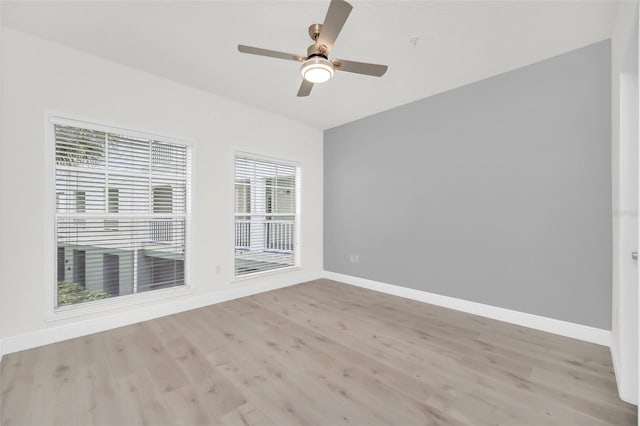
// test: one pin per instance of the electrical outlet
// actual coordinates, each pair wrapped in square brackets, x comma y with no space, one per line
[217,269]
[354,258]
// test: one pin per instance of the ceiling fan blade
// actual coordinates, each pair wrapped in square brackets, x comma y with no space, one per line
[270,53]
[305,88]
[375,70]
[337,15]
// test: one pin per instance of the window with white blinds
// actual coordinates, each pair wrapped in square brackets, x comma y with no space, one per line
[121,213]
[265,215]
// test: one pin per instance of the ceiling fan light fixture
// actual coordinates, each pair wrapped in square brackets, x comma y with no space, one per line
[317,69]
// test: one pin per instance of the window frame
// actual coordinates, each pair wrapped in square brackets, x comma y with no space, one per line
[298,240]
[53,313]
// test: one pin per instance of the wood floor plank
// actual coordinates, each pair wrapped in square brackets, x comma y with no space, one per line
[536,341]
[141,402]
[220,394]
[433,366]
[497,369]
[318,353]
[325,367]
[246,415]
[499,350]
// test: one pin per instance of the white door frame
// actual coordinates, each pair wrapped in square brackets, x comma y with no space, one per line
[626,323]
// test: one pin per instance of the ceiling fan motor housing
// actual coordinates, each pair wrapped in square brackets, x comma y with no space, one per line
[317,50]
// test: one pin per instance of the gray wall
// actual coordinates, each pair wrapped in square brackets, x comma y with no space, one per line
[498,192]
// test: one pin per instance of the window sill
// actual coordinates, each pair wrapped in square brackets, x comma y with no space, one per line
[256,275]
[105,305]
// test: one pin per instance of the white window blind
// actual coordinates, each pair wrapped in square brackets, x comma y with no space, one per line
[121,214]
[265,215]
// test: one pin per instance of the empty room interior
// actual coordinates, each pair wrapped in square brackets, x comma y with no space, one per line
[319,212]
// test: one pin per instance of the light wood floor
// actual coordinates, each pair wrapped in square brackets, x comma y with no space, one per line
[319,353]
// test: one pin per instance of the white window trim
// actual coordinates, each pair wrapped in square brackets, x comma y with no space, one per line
[261,274]
[53,313]
[297,266]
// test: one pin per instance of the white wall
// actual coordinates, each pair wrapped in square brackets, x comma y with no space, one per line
[39,76]
[625,215]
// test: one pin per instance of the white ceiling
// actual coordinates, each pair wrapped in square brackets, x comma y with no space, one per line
[194,43]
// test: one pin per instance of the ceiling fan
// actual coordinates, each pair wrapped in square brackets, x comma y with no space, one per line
[316,66]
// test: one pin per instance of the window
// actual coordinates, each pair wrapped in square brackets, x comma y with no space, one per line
[121,213]
[81,201]
[80,267]
[265,215]
[113,201]
[243,221]
[60,264]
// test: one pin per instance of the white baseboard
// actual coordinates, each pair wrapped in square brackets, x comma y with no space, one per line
[167,307]
[550,325]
